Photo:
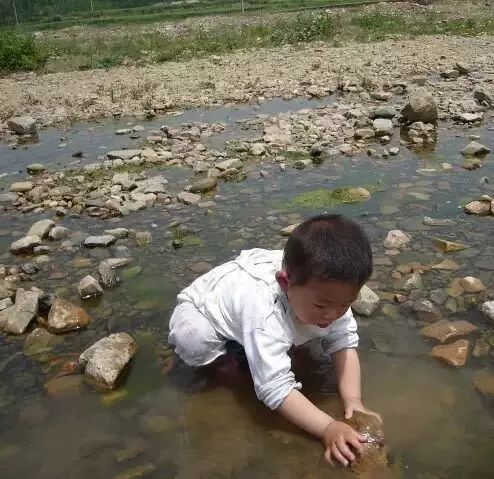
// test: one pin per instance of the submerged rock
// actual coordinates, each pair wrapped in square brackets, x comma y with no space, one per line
[65,316]
[106,360]
[88,287]
[449,246]
[367,302]
[137,472]
[472,285]
[454,354]
[373,462]
[65,386]
[40,342]
[484,382]
[444,330]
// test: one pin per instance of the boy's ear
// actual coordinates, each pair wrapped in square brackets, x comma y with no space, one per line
[282,279]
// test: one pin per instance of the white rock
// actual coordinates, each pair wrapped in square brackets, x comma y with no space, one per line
[367,302]
[189,198]
[383,126]
[107,359]
[41,228]
[396,239]
[488,309]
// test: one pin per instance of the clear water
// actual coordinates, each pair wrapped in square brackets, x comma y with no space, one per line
[194,425]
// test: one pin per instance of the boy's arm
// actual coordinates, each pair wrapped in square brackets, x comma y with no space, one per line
[347,366]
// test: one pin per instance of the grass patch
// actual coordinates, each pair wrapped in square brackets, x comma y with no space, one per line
[324,198]
[186,237]
[19,51]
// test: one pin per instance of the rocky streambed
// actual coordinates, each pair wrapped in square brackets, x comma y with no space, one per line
[101,225]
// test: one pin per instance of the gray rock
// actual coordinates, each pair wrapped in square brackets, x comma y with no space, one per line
[383,112]
[203,185]
[106,360]
[364,133]
[143,238]
[462,68]
[437,222]
[102,241]
[189,198]
[21,186]
[483,97]
[41,228]
[451,74]
[421,106]
[16,319]
[8,198]
[22,125]
[123,154]
[383,126]
[58,233]
[302,164]
[118,232]
[5,303]
[88,287]
[65,316]
[414,282]
[367,302]
[475,149]
[29,268]
[229,164]
[118,262]
[257,149]
[108,277]
[124,131]
[488,310]
[122,251]
[25,245]
[394,151]
[469,117]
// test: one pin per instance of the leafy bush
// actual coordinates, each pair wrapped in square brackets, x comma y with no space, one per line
[19,52]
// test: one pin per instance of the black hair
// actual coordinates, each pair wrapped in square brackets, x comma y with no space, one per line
[328,247]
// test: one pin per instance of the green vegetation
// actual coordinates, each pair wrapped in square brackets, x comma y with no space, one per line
[186,237]
[323,198]
[19,52]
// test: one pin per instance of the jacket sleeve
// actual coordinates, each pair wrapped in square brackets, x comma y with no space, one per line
[342,334]
[270,366]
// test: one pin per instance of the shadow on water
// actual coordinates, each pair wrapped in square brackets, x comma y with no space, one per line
[194,425]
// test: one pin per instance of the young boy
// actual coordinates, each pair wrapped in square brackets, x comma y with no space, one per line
[269,301]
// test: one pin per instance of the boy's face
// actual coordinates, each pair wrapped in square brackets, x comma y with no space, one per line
[318,302]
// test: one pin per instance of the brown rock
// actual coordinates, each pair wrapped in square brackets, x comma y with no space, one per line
[456,289]
[65,386]
[65,316]
[454,354]
[448,246]
[443,330]
[447,265]
[472,285]
[484,382]
[480,208]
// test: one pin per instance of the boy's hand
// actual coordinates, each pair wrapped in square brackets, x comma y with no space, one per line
[355,404]
[337,438]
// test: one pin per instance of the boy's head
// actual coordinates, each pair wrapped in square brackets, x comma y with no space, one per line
[326,261]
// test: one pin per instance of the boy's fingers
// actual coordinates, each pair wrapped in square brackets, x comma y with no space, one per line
[344,449]
[361,438]
[338,456]
[356,444]
[327,456]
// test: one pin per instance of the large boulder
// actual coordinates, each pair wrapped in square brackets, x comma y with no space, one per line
[22,125]
[106,360]
[421,106]
[65,316]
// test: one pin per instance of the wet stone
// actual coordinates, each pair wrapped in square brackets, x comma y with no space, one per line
[204,185]
[444,330]
[106,360]
[480,208]
[65,386]
[448,246]
[102,241]
[65,316]
[137,472]
[108,277]
[143,238]
[454,354]
[29,268]
[414,282]
[472,285]
[16,319]
[484,382]
[439,296]
[118,262]
[25,245]
[40,342]
[41,228]
[88,287]
[367,302]
[475,149]
[481,348]
[189,198]
[446,265]
[428,221]
[396,239]
[58,233]
[35,168]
